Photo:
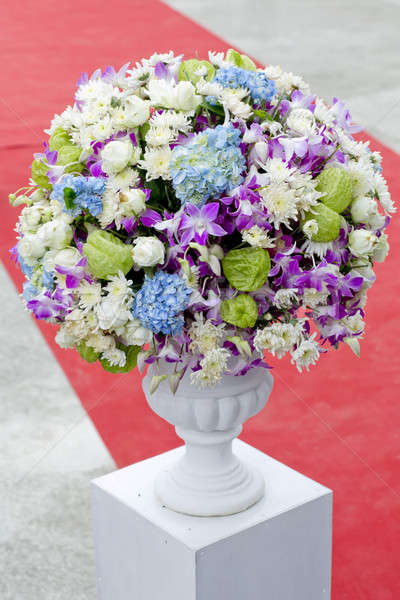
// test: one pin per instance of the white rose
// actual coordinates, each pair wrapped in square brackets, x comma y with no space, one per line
[49,260]
[136,199]
[301,120]
[381,249]
[136,111]
[148,251]
[136,335]
[362,242]
[30,217]
[55,234]
[115,156]
[67,258]
[111,315]
[31,247]
[363,209]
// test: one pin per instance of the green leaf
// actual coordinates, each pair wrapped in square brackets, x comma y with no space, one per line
[115,102]
[241,311]
[143,129]
[87,353]
[263,115]
[69,197]
[217,109]
[337,186]
[131,359]
[107,254]
[246,269]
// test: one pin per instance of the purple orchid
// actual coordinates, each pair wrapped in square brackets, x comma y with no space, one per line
[75,274]
[51,305]
[198,223]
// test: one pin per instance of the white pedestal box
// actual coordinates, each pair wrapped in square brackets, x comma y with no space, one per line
[279,549]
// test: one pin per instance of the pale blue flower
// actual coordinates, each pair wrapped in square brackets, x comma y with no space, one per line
[75,193]
[160,302]
[260,87]
[208,165]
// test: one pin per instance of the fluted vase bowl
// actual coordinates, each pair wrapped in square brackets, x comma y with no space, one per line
[209,479]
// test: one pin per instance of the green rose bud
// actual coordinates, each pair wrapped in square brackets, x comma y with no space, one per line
[87,353]
[240,311]
[58,139]
[106,254]
[240,60]
[70,154]
[131,353]
[39,176]
[188,70]
[246,269]
[337,186]
[328,222]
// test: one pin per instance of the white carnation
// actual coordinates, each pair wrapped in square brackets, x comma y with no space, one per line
[362,242]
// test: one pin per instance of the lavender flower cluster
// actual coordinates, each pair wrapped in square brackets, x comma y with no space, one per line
[204,213]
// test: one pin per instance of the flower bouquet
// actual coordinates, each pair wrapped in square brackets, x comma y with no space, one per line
[201,213]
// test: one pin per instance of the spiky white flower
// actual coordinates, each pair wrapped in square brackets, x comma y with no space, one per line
[159,136]
[306,354]
[280,201]
[258,237]
[383,194]
[89,294]
[204,335]
[277,338]
[116,357]
[310,228]
[286,298]
[285,82]
[100,342]
[301,121]
[171,119]
[213,365]
[278,170]
[156,162]
[167,94]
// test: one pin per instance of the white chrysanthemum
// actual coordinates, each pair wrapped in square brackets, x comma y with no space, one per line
[383,194]
[209,88]
[351,147]
[102,129]
[159,136]
[172,119]
[257,236]
[64,338]
[76,324]
[232,101]
[278,171]
[280,201]
[306,354]
[180,96]
[362,176]
[156,162]
[319,249]
[277,338]
[301,121]
[123,180]
[100,342]
[310,228]
[306,194]
[323,113]
[89,294]
[313,298]
[271,127]
[218,59]
[285,83]
[116,357]
[213,366]
[204,335]
[286,298]
[119,289]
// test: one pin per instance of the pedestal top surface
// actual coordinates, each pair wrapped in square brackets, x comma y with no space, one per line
[286,489]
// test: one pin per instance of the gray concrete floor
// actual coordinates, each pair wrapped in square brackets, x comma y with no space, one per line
[49,452]
[347,49]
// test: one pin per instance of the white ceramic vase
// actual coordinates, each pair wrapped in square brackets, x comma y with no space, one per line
[209,479]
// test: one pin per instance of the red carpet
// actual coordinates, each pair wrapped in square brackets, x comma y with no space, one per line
[339,424]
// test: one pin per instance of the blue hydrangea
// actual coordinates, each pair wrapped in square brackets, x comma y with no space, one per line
[208,165]
[86,194]
[159,303]
[29,291]
[26,269]
[260,87]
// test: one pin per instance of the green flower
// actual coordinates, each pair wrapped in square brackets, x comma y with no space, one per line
[241,311]
[337,187]
[240,60]
[131,353]
[87,353]
[69,153]
[328,222]
[188,70]
[107,255]
[39,176]
[246,269]
[58,139]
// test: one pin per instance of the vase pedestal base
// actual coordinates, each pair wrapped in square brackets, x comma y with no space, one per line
[278,549]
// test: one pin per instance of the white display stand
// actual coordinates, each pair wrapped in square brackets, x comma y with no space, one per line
[279,549]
